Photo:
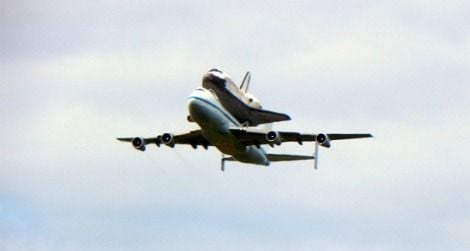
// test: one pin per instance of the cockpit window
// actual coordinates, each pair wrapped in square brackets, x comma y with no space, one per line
[216,70]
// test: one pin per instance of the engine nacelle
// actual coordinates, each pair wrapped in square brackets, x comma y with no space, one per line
[168,139]
[273,137]
[138,143]
[190,119]
[323,140]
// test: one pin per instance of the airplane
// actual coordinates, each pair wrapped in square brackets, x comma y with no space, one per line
[232,120]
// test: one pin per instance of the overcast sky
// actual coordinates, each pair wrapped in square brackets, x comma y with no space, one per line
[76,74]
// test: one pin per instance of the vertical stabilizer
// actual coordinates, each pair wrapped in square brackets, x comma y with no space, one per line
[246,82]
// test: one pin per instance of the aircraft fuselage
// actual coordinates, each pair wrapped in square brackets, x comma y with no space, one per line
[215,123]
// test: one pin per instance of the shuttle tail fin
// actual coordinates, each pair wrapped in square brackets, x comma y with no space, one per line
[246,82]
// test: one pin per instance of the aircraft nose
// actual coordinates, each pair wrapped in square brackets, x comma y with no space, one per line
[197,109]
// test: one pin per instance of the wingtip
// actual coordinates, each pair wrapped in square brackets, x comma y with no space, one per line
[124,139]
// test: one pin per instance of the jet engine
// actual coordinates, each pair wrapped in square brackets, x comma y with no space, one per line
[168,139]
[273,137]
[323,140]
[138,143]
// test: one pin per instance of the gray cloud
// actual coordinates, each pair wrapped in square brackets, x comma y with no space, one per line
[76,75]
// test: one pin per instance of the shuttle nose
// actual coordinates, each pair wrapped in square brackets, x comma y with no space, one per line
[213,79]
[208,77]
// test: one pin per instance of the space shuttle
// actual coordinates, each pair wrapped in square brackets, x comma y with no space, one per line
[245,107]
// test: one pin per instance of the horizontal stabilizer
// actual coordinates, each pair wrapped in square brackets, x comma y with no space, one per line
[287,157]
[278,157]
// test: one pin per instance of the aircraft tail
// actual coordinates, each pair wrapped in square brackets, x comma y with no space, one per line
[287,157]
[272,158]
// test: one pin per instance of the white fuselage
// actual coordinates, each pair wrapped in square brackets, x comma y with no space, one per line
[215,122]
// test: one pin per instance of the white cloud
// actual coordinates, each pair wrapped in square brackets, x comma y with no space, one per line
[396,70]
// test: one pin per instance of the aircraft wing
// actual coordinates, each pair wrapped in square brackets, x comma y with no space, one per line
[261,138]
[193,138]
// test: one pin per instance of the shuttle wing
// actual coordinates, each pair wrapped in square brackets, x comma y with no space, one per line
[252,116]
[257,116]
[246,114]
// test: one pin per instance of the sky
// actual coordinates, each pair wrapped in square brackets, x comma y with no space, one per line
[74,75]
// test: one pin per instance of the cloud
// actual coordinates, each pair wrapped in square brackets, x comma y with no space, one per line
[76,75]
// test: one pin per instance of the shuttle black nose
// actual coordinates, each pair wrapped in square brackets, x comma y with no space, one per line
[208,77]
[212,79]
[215,70]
